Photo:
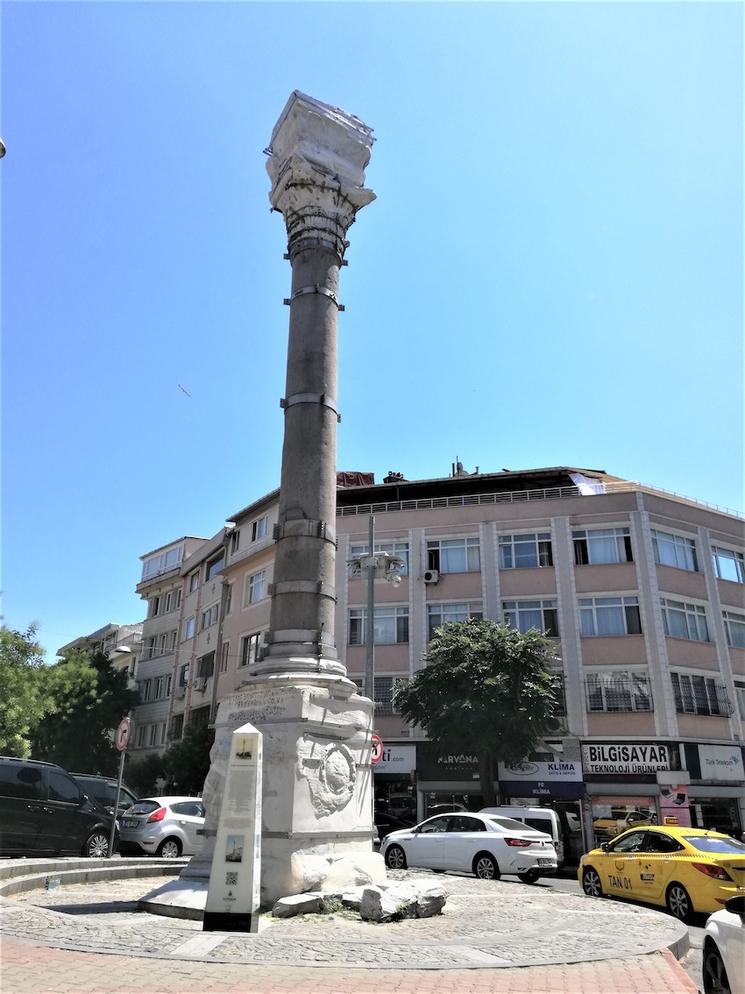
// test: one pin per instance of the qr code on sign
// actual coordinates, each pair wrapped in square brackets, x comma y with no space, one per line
[231,879]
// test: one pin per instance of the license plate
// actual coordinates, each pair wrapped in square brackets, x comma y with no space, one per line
[129,823]
[546,862]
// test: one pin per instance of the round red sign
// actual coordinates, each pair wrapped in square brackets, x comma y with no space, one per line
[377,749]
[121,737]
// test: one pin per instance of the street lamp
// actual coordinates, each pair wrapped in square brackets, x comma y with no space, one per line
[376,566]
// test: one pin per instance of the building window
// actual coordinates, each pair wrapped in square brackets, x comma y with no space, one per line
[215,565]
[734,626]
[445,614]
[149,649]
[162,563]
[618,691]
[250,646]
[206,666]
[229,599]
[456,555]
[183,676]
[400,549]
[728,564]
[258,528]
[153,737]
[525,551]
[176,729]
[190,626]
[740,694]
[177,602]
[224,657]
[526,615]
[674,550]
[609,616]
[255,587]
[154,607]
[210,616]
[141,735]
[147,690]
[699,695]
[684,621]
[235,541]
[391,625]
[598,546]
[193,581]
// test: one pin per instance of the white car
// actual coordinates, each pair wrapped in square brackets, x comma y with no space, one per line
[162,826]
[724,949]
[486,845]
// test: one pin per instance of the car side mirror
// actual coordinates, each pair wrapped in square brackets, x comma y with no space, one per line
[736,905]
[604,846]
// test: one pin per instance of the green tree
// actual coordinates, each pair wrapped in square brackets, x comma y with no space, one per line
[486,687]
[142,775]
[90,698]
[23,698]
[187,762]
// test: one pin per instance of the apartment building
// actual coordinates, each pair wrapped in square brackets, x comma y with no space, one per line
[121,643]
[640,590]
[161,586]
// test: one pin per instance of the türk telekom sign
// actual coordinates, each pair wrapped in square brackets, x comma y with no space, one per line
[625,758]
[721,763]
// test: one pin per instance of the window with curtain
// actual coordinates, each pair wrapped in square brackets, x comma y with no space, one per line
[682,620]
[527,551]
[609,616]
[674,550]
[526,615]
[597,546]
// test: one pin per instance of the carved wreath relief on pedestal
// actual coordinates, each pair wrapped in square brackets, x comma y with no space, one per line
[332,781]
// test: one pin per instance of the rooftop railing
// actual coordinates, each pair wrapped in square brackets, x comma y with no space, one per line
[520,496]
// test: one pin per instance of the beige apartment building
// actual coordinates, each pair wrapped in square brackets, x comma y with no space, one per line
[640,590]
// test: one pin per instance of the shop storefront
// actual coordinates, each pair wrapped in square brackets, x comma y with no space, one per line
[556,784]
[395,785]
[446,780]
[717,791]
[624,781]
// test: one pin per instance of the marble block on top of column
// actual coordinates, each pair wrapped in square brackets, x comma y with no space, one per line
[317,168]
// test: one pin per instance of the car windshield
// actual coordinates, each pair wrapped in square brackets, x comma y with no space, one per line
[509,823]
[705,843]
[143,808]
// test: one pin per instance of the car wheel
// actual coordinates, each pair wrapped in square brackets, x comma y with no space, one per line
[678,902]
[97,846]
[395,858]
[485,867]
[591,884]
[715,976]
[529,877]
[169,849]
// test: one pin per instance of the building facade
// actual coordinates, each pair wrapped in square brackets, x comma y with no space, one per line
[641,592]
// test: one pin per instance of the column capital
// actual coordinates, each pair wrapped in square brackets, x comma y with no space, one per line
[317,159]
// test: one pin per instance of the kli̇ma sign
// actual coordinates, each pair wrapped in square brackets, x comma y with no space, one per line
[625,758]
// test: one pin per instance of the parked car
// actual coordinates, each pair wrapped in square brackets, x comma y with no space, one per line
[103,790]
[43,810]
[724,949]
[485,845]
[163,826]
[686,870]
[541,819]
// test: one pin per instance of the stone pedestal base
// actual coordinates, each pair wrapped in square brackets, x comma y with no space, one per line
[317,804]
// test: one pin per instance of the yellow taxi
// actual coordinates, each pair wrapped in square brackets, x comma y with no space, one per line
[686,870]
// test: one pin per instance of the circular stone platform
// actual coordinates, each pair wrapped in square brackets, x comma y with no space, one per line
[484,924]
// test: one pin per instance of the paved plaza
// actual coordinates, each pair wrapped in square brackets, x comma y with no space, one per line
[492,937]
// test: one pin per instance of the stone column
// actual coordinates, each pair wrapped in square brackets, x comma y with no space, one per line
[317,159]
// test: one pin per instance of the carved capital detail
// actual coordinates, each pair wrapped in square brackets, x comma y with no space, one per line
[317,161]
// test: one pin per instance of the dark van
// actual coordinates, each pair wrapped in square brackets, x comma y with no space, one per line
[103,791]
[42,810]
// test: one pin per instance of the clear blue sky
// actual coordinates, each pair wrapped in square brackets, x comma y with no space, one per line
[552,273]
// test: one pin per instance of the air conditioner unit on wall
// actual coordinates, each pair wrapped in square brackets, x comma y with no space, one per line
[432,576]
[200,683]
[180,692]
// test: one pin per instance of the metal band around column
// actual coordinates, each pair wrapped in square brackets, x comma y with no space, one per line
[304,528]
[311,398]
[302,587]
[314,288]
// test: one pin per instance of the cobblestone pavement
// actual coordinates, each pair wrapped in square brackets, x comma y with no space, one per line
[485,924]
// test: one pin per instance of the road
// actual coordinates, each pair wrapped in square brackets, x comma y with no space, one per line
[691,962]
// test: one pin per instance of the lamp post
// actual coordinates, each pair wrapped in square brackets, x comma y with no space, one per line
[376,566]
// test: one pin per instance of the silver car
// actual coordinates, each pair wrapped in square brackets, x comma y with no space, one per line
[164,826]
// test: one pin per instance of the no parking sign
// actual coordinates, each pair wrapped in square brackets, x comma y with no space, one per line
[377,749]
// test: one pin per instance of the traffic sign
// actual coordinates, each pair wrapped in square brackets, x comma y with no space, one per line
[121,739]
[377,749]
